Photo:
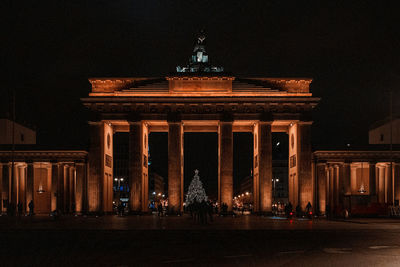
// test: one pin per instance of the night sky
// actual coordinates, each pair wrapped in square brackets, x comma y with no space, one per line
[50,48]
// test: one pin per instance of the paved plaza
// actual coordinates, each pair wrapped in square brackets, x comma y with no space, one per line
[178,241]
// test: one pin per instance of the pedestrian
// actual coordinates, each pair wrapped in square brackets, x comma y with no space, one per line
[120,208]
[159,209]
[30,206]
[308,207]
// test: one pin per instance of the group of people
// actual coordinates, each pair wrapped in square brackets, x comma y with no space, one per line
[18,209]
[289,209]
[200,211]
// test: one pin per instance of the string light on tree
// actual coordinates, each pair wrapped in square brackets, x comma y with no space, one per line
[196,192]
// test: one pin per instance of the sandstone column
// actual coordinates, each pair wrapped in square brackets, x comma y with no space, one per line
[54,185]
[388,184]
[72,182]
[372,180]
[337,185]
[265,166]
[300,163]
[60,187]
[353,179]
[29,183]
[6,185]
[22,185]
[331,178]
[381,184]
[14,184]
[138,166]
[256,165]
[80,178]
[321,180]
[66,194]
[175,166]
[225,166]
[100,166]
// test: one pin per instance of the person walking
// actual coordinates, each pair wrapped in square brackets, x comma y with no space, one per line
[159,209]
[30,206]
[308,207]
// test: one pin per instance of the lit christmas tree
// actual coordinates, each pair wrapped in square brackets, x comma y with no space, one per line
[196,192]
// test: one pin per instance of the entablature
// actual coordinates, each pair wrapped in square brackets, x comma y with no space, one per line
[355,156]
[200,85]
[44,155]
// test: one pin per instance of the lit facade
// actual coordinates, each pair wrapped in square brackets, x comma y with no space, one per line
[199,103]
[361,182]
[53,180]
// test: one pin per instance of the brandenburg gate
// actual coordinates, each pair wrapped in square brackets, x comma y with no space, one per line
[199,98]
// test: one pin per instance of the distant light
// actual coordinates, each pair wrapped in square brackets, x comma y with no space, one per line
[115,179]
[277,180]
[122,179]
[163,195]
[154,193]
[247,193]
[277,144]
[159,194]
[348,145]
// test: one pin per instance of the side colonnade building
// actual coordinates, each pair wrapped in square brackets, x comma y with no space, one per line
[52,179]
[361,182]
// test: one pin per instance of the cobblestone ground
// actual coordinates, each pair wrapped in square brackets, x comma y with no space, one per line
[178,241]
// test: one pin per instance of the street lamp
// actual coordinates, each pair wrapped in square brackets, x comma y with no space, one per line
[276,180]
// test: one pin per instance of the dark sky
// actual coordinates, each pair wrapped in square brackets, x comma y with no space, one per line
[350,49]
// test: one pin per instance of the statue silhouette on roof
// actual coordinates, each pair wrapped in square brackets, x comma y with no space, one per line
[199,59]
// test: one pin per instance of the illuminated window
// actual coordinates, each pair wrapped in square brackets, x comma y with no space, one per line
[359,178]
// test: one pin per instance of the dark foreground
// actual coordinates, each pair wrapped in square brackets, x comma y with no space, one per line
[177,241]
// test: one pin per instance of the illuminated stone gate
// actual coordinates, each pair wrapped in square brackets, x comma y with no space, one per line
[199,97]
[194,102]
